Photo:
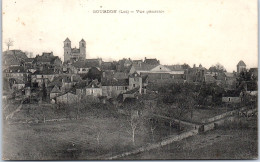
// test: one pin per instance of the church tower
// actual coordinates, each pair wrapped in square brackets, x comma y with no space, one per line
[82,49]
[67,50]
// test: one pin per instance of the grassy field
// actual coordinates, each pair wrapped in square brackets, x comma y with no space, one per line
[228,142]
[93,137]
[196,115]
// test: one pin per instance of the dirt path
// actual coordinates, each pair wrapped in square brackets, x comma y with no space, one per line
[10,116]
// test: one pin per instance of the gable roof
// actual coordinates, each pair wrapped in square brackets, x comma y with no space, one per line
[143,67]
[174,67]
[55,89]
[241,63]
[67,40]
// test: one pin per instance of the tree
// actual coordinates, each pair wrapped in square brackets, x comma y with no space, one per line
[9,43]
[217,68]
[134,121]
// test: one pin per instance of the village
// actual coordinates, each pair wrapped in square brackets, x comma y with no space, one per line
[102,109]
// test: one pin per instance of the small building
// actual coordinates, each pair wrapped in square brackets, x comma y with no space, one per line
[94,89]
[114,87]
[231,96]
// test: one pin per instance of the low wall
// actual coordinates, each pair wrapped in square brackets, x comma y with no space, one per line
[213,125]
[167,141]
[209,120]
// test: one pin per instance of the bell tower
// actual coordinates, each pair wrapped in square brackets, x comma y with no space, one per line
[67,50]
[82,49]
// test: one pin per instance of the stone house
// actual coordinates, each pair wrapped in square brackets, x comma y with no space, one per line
[43,77]
[94,89]
[47,60]
[135,80]
[17,72]
[13,58]
[112,88]
[231,96]
[80,67]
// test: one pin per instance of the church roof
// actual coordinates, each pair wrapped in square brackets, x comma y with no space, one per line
[75,50]
[241,63]
[82,40]
[67,40]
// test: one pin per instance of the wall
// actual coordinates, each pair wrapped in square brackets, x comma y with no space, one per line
[167,141]
[231,99]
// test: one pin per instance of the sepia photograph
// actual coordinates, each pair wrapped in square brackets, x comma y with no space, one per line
[129,80]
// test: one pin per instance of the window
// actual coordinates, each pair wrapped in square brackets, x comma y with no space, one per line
[228,99]
[133,85]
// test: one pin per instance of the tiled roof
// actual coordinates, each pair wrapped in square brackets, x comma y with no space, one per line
[115,82]
[44,72]
[45,58]
[151,61]
[120,75]
[241,63]
[174,67]
[144,67]
[107,66]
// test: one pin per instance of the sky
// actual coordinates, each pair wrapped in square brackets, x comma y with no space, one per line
[197,32]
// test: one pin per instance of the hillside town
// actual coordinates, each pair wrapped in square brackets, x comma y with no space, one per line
[45,89]
[46,79]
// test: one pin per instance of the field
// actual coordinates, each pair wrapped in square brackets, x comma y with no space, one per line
[195,115]
[228,142]
[93,137]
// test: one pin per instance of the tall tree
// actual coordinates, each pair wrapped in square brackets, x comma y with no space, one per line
[9,43]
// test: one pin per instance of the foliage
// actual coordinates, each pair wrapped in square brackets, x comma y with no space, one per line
[217,68]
